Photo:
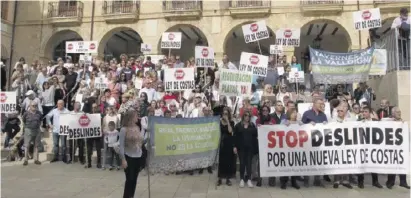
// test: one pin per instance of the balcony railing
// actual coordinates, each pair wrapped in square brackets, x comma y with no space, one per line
[250,4]
[175,6]
[321,2]
[65,9]
[398,50]
[120,7]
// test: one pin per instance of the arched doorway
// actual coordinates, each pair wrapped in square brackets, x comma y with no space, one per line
[56,46]
[122,40]
[234,44]
[191,36]
[321,34]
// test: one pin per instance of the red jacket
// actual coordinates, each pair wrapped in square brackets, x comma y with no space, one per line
[254,111]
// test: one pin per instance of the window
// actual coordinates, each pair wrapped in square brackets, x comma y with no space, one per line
[4,10]
[67,8]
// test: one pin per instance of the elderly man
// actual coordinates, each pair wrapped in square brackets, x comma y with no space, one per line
[55,114]
[32,120]
[396,115]
[385,109]
[31,97]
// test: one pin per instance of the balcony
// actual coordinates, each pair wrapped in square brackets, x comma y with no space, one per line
[321,7]
[182,10]
[249,9]
[65,13]
[121,11]
[391,6]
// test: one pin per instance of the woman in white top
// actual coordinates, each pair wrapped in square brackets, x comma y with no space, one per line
[159,94]
[131,142]
[47,99]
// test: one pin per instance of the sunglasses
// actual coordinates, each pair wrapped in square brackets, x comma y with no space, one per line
[339,111]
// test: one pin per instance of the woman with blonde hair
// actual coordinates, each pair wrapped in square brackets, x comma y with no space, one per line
[131,152]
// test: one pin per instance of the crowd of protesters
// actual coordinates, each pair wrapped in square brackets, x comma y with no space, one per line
[47,91]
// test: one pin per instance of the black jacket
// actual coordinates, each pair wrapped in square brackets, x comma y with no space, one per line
[245,138]
[385,113]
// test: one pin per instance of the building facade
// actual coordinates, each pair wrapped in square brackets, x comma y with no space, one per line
[42,27]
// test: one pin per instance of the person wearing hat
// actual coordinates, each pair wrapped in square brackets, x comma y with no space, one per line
[31,97]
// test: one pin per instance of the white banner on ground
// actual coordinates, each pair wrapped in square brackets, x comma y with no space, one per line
[334,148]
[255,64]
[235,83]
[171,40]
[255,31]
[179,79]
[80,47]
[204,56]
[379,62]
[145,48]
[276,49]
[101,83]
[8,101]
[367,19]
[288,37]
[79,126]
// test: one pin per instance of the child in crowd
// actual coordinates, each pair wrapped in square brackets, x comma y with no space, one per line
[111,139]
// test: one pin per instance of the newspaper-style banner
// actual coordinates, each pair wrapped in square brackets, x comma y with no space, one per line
[171,40]
[288,37]
[145,48]
[179,79]
[80,47]
[367,19]
[204,56]
[335,68]
[276,49]
[235,83]
[101,83]
[8,101]
[180,144]
[80,126]
[255,31]
[379,62]
[255,64]
[334,148]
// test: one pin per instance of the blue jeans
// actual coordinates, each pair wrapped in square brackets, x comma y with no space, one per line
[56,138]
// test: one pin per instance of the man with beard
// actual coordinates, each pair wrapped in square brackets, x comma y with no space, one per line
[263,119]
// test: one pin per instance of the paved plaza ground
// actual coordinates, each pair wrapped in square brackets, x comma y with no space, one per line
[60,180]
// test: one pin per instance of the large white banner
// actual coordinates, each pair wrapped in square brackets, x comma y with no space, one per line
[171,40]
[204,56]
[79,126]
[235,83]
[179,79]
[80,47]
[255,32]
[334,148]
[367,19]
[288,37]
[8,101]
[255,64]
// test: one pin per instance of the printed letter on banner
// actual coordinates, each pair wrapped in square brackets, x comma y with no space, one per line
[171,40]
[81,126]
[367,19]
[101,83]
[255,32]
[204,56]
[146,48]
[288,37]
[253,64]
[183,144]
[235,83]
[79,47]
[8,102]
[334,148]
[276,49]
[179,79]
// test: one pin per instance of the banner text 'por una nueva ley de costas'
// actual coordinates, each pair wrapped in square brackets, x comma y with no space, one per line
[334,148]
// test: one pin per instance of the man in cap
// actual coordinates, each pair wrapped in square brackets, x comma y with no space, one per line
[31,97]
